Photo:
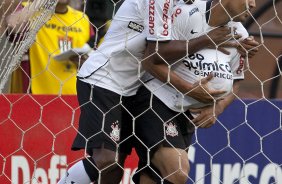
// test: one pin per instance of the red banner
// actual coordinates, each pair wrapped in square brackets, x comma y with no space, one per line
[36,134]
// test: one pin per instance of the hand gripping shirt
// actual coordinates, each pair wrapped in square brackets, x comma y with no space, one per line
[116,64]
[191,21]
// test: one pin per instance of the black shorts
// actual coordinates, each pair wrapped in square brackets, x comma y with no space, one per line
[159,126]
[104,121]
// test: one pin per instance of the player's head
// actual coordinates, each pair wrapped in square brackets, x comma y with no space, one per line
[63,2]
[62,6]
[239,9]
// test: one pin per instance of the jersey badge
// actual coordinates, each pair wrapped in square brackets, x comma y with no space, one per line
[193,32]
[136,27]
[171,129]
[115,131]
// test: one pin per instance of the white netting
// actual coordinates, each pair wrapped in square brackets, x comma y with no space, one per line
[36,132]
[37,13]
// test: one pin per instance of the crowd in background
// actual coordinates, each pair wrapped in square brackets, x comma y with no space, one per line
[40,73]
[100,12]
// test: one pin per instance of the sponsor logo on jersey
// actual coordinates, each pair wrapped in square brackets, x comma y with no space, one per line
[152,17]
[115,134]
[194,10]
[176,13]
[193,32]
[241,65]
[195,63]
[136,27]
[166,17]
[171,129]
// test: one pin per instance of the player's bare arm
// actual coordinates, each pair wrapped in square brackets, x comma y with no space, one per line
[198,90]
[248,47]
[208,115]
[174,50]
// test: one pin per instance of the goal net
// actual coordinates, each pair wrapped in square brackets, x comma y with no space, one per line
[37,131]
[13,41]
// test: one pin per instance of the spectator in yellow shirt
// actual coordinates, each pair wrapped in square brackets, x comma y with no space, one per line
[68,28]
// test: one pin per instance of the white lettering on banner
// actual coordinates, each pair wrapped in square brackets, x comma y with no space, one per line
[200,178]
[216,173]
[230,173]
[53,171]
[21,168]
[271,171]
[233,173]
[20,165]
[250,169]
[21,171]
[39,175]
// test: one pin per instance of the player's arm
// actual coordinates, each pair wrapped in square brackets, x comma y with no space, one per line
[17,20]
[160,46]
[208,115]
[173,50]
[198,91]
[248,47]
[168,52]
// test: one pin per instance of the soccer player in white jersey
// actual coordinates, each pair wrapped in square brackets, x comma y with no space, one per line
[108,81]
[166,114]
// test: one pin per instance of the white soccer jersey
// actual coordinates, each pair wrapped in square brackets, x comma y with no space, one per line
[191,21]
[115,65]
[158,15]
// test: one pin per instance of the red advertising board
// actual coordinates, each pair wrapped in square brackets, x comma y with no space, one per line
[36,133]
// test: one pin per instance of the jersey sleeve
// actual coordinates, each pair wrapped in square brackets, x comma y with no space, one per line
[240,29]
[237,63]
[158,19]
[237,66]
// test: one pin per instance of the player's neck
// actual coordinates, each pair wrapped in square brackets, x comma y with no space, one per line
[218,15]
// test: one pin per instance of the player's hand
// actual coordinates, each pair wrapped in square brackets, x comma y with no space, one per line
[219,36]
[248,47]
[78,60]
[207,116]
[202,93]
